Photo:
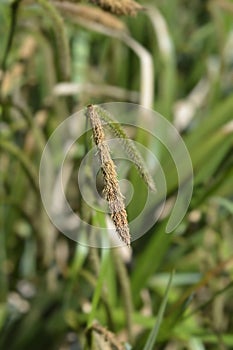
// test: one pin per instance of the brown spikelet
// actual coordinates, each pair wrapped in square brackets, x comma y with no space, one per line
[119,7]
[128,146]
[111,190]
[91,14]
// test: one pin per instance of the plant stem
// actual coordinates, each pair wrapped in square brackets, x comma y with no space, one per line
[60,34]
[14,13]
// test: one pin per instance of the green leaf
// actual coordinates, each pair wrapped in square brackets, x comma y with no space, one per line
[154,332]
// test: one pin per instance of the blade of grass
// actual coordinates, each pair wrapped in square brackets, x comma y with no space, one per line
[126,292]
[99,218]
[99,286]
[225,203]
[150,259]
[14,12]
[167,53]
[154,332]
[61,37]
[24,161]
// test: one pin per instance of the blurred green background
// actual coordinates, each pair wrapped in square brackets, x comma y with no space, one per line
[175,57]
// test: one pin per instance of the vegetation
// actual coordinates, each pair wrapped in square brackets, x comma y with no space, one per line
[168,291]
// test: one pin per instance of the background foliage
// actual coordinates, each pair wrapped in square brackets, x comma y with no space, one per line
[175,57]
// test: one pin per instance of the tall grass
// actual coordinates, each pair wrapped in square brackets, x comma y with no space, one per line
[175,57]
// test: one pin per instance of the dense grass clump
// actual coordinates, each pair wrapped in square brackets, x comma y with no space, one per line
[168,291]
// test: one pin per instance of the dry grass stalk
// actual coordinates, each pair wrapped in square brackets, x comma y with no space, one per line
[111,190]
[90,13]
[119,7]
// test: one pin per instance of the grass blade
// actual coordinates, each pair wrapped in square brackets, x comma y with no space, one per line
[154,332]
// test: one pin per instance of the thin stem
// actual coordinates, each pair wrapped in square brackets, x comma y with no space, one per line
[14,13]
[26,115]
[145,57]
[3,259]
[62,42]
[126,292]
[25,162]
[96,90]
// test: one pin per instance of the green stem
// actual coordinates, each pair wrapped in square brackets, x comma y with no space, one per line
[98,289]
[26,115]
[60,34]
[150,344]
[126,292]
[14,13]
[25,162]
[3,258]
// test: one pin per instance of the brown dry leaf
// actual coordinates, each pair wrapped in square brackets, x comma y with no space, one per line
[119,7]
